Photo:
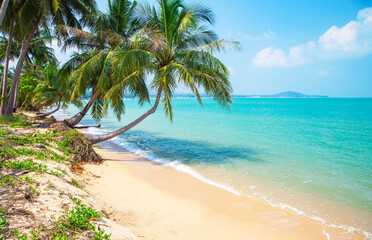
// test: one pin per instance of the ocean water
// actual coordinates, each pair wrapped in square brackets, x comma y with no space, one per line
[310,156]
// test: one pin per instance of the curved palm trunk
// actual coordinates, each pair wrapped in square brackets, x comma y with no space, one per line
[4,6]
[78,117]
[89,126]
[39,106]
[97,139]
[6,68]
[18,71]
[55,110]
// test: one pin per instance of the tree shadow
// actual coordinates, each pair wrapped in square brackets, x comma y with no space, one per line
[188,151]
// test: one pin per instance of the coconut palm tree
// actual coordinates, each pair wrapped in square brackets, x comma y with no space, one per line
[4,6]
[35,12]
[92,69]
[52,90]
[6,69]
[176,46]
[38,55]
[10,20]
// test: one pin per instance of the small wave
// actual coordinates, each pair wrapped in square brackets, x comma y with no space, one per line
[327,235]
[326,223]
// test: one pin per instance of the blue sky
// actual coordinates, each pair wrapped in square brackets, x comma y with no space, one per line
[313,47]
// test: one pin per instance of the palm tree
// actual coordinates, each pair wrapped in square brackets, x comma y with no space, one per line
[92,69]
[32,14]
[52,90]
[176,46]
[6,68]
[10,17]
[3,9]
[38,55]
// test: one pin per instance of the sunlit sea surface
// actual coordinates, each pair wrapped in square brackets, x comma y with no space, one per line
[310,156]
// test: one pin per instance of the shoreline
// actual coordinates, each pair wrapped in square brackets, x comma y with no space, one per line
[183,202]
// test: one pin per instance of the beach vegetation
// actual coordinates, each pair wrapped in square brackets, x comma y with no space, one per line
[25,158]
[35,15]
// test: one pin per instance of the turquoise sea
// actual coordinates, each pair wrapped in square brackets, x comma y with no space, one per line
[311,156]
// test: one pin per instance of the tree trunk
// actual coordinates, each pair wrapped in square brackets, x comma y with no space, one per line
[15,105]
[78,117]
[6,68]
[97,139]
[18,71]
[4,6]
[55,110]
[89,126]
[39,106]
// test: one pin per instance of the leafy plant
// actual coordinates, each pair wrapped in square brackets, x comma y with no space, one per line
[3,222]
[23,237]
[77,220]
[76,184]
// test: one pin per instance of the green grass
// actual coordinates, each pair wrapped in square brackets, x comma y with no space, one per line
[16,121]
[3,222]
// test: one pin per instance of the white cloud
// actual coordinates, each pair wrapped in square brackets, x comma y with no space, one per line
[274,57]
[271,57]
[365,14]
[340,39]
[353,39]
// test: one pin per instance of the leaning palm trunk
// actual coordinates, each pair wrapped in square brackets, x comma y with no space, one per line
[6,68]
[50,113]
[4,6]
[88,126]
[78,117]
[15,105]
[18,71]
[39,106]
[97,139]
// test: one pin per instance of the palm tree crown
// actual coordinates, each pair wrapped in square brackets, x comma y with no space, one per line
[179,46]
[176,46]
[93,67]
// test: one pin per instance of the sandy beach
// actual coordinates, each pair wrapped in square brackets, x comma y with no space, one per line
[159,202]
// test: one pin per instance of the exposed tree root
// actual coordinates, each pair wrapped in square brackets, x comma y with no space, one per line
[79,146]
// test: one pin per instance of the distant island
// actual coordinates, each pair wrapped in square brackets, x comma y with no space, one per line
[287,94]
